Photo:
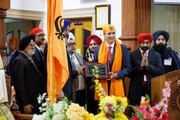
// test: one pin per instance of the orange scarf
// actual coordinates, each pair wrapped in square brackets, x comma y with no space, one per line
[116,87]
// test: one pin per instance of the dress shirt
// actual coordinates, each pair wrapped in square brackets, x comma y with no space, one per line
[112,47]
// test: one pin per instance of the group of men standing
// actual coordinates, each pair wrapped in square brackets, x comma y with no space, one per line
[29,71]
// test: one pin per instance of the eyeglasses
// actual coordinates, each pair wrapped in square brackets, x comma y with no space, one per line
[92,44]
[41,35]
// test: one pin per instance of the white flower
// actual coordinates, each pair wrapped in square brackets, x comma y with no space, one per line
[60,107]
[143,98]
[44,95]
[59,117]
[39,117]
[41,98]
[46,116]
[41,109]
[44,104]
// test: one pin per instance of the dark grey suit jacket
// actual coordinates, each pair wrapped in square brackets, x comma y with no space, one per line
[28,82]
[153,69]
[39,61]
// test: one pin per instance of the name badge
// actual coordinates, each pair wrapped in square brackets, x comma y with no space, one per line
[168,61]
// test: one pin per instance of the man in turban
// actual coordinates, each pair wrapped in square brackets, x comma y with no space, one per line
[68,89]
[169,57]
[39,53]
[91,43]
[117,56]
[76,60]
[28,81]
[146,64]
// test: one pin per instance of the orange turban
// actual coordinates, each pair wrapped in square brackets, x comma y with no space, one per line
[108,28]
[13,41]
[144,36]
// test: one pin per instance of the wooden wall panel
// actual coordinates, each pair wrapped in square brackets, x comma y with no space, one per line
[136,18]
[4,5]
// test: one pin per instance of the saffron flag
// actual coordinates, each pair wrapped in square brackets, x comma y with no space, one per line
[57,65]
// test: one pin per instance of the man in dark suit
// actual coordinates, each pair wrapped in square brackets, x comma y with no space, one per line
[169,57]
[146,64]
[117,56]
[28,81]
[38,57]
[13,49]
[91,43]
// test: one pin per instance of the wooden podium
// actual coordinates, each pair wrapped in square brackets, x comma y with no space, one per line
[157,84]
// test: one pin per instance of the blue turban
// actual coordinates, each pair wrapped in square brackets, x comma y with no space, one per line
[67,24]
[161,32]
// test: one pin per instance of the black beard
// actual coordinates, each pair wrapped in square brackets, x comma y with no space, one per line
[161,48]
[144,48]
[91,51]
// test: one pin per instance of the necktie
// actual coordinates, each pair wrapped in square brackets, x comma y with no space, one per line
[42,53]
[143,52]
[109,53]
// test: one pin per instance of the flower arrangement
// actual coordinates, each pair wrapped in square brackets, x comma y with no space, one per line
[56,111]
[62,110]
[157,112]
[75,112]
[111,107]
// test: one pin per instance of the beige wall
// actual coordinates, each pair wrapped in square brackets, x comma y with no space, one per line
[167,17]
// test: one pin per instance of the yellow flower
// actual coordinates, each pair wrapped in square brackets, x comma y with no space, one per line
[76,112]
[120,116]
[96,76]
[124,102]
[88,116]
[100,116]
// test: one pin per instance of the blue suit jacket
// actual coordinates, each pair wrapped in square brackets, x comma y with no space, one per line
[126,65]
[9,69]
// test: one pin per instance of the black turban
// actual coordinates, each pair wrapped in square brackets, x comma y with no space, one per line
[161,32]
[25,41]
